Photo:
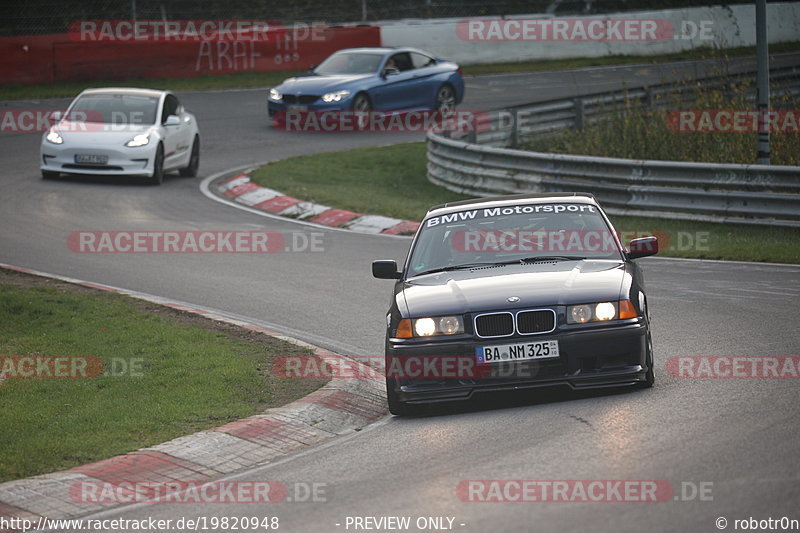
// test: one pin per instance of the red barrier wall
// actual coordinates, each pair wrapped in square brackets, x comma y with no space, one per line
[57,57]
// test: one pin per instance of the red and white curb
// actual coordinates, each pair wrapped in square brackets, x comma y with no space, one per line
[341,406]
[240,189]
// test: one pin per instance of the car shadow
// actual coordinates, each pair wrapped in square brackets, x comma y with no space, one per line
[95,179]
[491,401]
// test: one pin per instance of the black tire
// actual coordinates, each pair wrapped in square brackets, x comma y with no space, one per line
[361,104]
[397,407]
[445,98]
[49,175]
[650,376]
[194,160]
[157,178]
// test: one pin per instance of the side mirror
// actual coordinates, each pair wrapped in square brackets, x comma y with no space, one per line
[311,68]
[643,247]
[173,120]
[385,269]
[390,71]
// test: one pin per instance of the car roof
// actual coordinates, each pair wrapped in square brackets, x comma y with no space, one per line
[126,90]
[500,201]
[385,49]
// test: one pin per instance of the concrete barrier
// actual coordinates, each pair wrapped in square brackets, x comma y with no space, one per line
[675,30]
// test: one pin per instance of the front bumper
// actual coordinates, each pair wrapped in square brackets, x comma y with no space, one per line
[121,161]
[597,358]
[276,109]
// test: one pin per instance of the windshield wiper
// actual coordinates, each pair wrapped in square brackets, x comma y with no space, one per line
[521,261]
[454,267]
[538,258]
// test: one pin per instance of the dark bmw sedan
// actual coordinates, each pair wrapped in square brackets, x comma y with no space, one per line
[516,292]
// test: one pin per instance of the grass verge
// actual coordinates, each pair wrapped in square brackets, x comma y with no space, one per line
[167,373]
[242,80]
[392,181]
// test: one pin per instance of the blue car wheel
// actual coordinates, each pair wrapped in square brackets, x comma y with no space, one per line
[445,98]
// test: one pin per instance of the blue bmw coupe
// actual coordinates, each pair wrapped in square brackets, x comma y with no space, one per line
[366,79]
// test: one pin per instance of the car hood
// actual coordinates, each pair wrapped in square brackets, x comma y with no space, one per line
[316,84]
[99,134]
[546,284]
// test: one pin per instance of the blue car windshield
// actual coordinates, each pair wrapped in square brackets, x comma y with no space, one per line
[350,63]
[514,233]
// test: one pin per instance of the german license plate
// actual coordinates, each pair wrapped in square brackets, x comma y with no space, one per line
[296,107]
[91,159]
[522,351]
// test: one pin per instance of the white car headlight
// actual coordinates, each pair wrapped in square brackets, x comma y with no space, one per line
[335,97]
[274,94]
[139,140]
[424,327]
[54,137]
[430,326]
[600,312]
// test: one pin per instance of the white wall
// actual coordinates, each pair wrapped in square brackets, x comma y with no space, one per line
[728,26]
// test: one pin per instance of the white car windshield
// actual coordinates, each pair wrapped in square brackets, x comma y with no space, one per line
[117,108]
[350,63]
[511,234]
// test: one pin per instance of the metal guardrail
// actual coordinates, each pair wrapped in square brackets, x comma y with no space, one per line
[480,164]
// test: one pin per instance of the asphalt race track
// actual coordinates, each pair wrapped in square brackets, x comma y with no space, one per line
[737,438]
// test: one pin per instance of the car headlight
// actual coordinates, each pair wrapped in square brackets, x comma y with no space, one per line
[335,97]
[600,312]
[429,326]
[275,94]
[54,137]
[139,140]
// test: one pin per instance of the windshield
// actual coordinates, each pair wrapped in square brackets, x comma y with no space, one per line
[517,233]
[117,108]
[350,63]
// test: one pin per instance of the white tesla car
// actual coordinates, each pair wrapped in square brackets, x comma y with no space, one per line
[122,132]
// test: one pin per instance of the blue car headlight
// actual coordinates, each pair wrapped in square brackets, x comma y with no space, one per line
[275,94]
[335,96]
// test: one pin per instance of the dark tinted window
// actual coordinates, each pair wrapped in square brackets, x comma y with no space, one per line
[350,63]
[402,61]
[421,60]
[170,107]
[511,233]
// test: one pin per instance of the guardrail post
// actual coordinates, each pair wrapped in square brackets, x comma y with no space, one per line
[514,140]
[579,113]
